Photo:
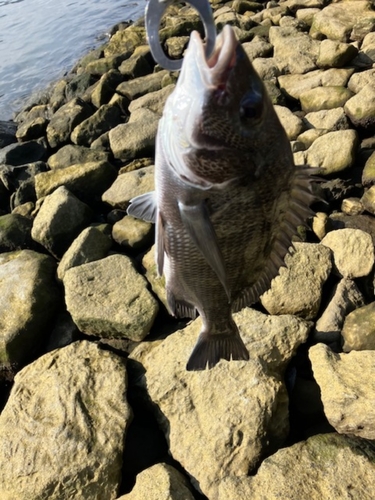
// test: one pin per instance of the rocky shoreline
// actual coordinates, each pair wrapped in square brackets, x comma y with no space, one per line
[95,400]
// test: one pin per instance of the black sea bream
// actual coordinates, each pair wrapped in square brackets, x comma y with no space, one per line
[228,197]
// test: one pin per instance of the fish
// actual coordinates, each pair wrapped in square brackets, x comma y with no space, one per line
[228,197]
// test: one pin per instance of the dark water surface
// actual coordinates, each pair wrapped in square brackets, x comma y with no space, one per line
[40,40]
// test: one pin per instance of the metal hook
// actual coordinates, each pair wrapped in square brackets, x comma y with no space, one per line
[154,12]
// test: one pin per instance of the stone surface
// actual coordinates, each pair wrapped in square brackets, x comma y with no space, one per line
[103,120]
[358,331]
[29,299]
[297,289]
[320,98]
[331,119]
[333,54]
[292,125]
[62,430]
[72,154]
[361,107]
[352,206]
[347,391]
[15,232]
[109,299]
[368,174]
[353,252]
[368,200]
[133,233]
[129,185]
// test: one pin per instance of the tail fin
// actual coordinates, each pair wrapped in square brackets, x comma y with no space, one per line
[210,348]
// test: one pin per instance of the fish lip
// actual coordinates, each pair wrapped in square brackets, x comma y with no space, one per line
[214,71]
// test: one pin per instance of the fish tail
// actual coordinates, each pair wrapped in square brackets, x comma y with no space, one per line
[211,347]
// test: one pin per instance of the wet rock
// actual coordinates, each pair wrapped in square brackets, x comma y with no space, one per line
[129,185]
[103,120]
[29,299]
[92,244]
[353,252]
[347,392]
[333,54]
[298,288]
[161,481]
[7,133]
[65,120]
[358,331]
[109,299]
[72,155]
[141,86]
[211,435]
[324,466]
[361,107]
[15,233]
[291,123]
[133,233]
[21,153]
[324,98]
[331,119]
[59,221]
[62,430]
[32,129]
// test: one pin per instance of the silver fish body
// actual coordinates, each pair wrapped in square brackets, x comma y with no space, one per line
[228,197]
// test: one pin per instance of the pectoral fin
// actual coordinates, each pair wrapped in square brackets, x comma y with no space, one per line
[143,207]
[198,224]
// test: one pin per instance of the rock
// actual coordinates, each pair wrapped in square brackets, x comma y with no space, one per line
[105,88]
[325,466]
[331,119]
[78,85]
[21,153]
[258,47]
[136,66]
[294,85]
[160,482]
[59,221]
[62,430]
[308,137]
[333,54]
[298,288]
[109,299]
[72,154]
[124,42]
[352,206]
[337,77]
[319,224]
[103,65]
[63,333]
[368,174]
[7,133]
[142,85]
[85,180]
[293,126]
[346,297]
[324,98]
[361,107]
[266,68]
[92,244]
[368,46]
[29,299]
[347,392]
[103,120]
[15,233]
[219,422]
[32,129]
[306,15]
[358,331]
[65,120]
[157,282]
[153,101]
[128,186]
[333,152]
[353,252]
[133,233]
[366,223]
[360,80]
[368,200]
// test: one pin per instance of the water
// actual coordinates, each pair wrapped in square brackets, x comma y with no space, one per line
[40,40]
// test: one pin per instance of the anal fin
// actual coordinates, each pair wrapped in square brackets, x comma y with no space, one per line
[180,308]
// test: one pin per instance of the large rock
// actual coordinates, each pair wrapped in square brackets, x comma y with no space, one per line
[72,154]
[319,98]
[129,185]
[359,329]
[347,384]
[331,119]
[298,288]
[326,466]
[62,430]
[29,299]
[15,233]
[221,421]
[103,120]
[361,107]
[109,299]
[22,153]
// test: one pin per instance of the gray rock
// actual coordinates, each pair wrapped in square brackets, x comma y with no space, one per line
[62,430]
[353,252]
[326,466]
[72,154]
[103,120]
[109,299]
[330,119]
[125,42]
[154,101]
[219,422]
[129,185]
[294,85]
[92,244]
[293,126]
[368,174]
[361,107]
[258,47]
[334,151]
[161,481]
[324,98]
[21,153]
[358,331]
[298,288]
[133,233]
[7,133]
[15,232]
[78,85]
[29,299]
[105,88]
[333,54]
[59,221]
[347,384]
[142,85]
[63,333]
[346,297]
[32,129]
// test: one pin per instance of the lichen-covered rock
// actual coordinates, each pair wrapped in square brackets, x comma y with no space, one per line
[368,200]
[331,119]
[347,384]
[361,107]
[29,299]
[103,120]
[15,232]
[62,430]
[72,154]
[142,85]
[132,233]
[129,185]
[109,299]
[32,129]
[358,331]
[324,98]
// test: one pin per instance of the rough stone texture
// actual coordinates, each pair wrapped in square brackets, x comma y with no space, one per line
[353,252]
[55,441]
[104,119]
[29,299]
[346,297]
[361,107]
[331,119]
[347,384]
[21,153]
[92,244]
[352,206]
[220,422]
[160,482]
[326,466]
[72,154]
[133,233]
[157,282]
[333,54]
[59,221]
[298,288]
[129,185]
[359,331]
[359,80]
[143,85]
[320,98]
[292,125]
[368,174]
[15,232]
[368,200]
[108,298]
[334,151]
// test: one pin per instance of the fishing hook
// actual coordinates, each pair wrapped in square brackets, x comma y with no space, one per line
[154,12]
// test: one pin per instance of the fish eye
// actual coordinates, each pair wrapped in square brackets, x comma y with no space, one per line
[251,106]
